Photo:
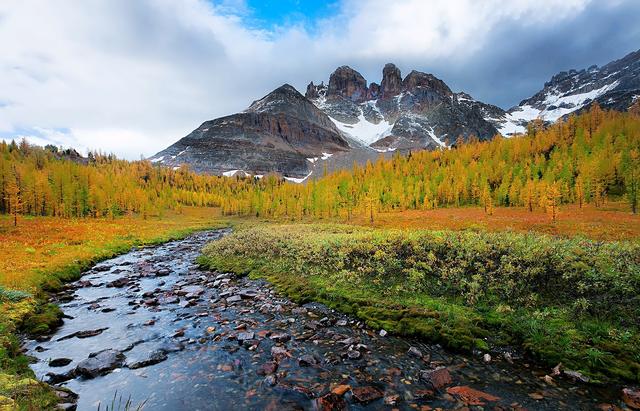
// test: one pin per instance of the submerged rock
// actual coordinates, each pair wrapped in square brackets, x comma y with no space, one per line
[438,378]
[365,395]
[308,360]
[331,402]
[154,357]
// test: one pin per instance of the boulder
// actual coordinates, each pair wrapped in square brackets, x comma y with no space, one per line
[100,363]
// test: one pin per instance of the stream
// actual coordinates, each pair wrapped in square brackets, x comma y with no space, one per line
[150,326]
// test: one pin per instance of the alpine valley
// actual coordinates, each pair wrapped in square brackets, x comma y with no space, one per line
[349,120]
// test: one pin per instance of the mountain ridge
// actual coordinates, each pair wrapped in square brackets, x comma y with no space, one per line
[350,119]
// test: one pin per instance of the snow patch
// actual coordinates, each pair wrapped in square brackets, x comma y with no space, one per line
[231,173]
[365,131]
[156,160]
[436,139]
[298,180]
[181,153]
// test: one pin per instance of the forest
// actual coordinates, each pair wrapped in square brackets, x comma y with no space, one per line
[588,158]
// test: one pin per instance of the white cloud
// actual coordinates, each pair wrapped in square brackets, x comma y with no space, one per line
[134,76]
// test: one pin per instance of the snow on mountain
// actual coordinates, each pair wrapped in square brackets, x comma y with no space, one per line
[365,131]
[613,86]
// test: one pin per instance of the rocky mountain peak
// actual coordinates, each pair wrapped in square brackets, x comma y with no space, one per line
[391,81]
[419,79]
[347,83]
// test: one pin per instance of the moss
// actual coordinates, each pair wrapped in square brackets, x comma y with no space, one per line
[44,320]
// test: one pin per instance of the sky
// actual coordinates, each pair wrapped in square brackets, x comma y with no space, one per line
[132,77]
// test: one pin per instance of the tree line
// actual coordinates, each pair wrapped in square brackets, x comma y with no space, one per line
[587,158]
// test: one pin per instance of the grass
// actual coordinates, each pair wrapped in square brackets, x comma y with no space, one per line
[573,301]
[39,255]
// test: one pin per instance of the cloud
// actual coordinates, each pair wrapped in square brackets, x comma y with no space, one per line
[134,76]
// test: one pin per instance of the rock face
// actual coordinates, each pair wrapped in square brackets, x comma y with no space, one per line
[391,84]
[347,83]
[275,134]
[614,86]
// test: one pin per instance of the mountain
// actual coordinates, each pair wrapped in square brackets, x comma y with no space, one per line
[332,126]
[418,111]
[277,133]
[350,119]
[614,86]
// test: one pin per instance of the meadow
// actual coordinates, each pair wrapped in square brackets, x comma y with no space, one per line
[610,222]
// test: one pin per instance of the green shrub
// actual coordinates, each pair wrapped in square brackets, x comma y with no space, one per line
[13,296]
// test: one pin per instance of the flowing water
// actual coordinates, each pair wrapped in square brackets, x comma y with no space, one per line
[178,338]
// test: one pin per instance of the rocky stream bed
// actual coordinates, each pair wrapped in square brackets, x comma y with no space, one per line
[151,326]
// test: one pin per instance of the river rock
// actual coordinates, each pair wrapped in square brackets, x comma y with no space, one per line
[470,396]
[267,368]
[353,354]
[60,362]
[576,376]
[154,357]
[169,346]
[308,360]
[365,395]
[279,353]
[190,289]
[100,363]
[151,302]
[249,335]
[248,294]
[84,334]
[53,378]
[233,299]
[414,352]
[119,283]
[631,397]
[280,337]
[438,378]
[391,399]
[331,402]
